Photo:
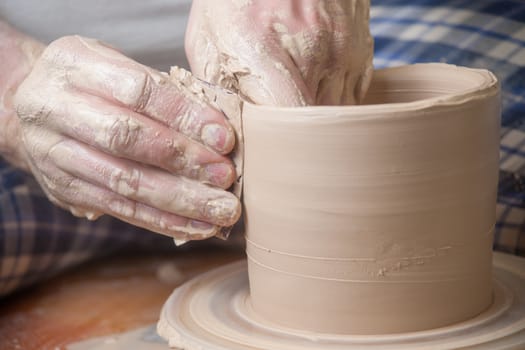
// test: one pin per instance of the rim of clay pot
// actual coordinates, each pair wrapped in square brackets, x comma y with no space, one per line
[475,84]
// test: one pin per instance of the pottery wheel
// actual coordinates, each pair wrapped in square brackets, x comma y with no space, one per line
[213,312]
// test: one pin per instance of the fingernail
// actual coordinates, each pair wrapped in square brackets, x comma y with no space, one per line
[217,137]
[218,174]
[223,211]
[201,225]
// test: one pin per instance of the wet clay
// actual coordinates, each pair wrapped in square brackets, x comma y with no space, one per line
[377,218]
[213,312]
[317,53]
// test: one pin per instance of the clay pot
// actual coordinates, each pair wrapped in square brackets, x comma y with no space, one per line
[377,218]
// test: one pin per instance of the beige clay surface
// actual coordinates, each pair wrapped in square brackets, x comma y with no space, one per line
[376,218]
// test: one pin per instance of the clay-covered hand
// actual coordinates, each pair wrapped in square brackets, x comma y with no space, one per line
[283,52]
[104,134]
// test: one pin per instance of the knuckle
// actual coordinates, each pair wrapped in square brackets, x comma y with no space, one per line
[34,111]
[185,119]
[59,191]
[151,220]
[58,184]
[176,155]
[24,110]
[61,51]
[122,134]
[140,91]
[125,182]
[133,211]
[123,208]
[33,102]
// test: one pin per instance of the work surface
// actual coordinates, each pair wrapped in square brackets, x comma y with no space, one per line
[105,297]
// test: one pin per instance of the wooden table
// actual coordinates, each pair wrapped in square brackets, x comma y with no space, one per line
[108,296]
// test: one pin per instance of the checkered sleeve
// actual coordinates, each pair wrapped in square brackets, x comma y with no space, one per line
[39,240]
[485,34]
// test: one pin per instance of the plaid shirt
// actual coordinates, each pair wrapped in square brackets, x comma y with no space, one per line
[38,239]
[484,34]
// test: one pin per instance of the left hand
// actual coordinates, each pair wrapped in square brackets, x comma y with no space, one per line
[103,134]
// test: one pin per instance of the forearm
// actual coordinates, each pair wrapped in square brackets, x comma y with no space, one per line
[18,53]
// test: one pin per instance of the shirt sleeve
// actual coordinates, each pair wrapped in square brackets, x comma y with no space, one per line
[481,34]
[39,240]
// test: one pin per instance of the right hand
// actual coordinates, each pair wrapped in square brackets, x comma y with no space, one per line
[104,134]
[283,53]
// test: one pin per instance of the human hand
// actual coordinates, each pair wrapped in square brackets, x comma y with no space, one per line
[18,53]
[104,134]
[286,53]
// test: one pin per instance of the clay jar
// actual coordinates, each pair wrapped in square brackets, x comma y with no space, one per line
[376,218]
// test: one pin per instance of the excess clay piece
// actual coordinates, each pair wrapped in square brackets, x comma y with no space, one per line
[366,220]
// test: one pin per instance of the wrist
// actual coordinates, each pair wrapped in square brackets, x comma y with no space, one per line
[18,54]
[10,140]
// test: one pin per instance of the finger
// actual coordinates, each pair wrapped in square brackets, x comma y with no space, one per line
[97,69]
[126,134]
[277,83]
[53,184]
[84,199]
[361,87]
[331,89]
[149,186]
[267,77]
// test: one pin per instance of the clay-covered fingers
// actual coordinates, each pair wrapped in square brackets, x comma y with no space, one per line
[271,81]
[283,53]
[96,200]
[147,186]
[258,76]
[104,134]
[124,133]
[87,66]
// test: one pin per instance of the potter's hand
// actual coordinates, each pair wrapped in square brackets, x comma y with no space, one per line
[288,53]
[105,134]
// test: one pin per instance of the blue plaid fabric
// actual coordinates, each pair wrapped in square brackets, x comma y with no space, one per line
[38,240]
[486,34]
